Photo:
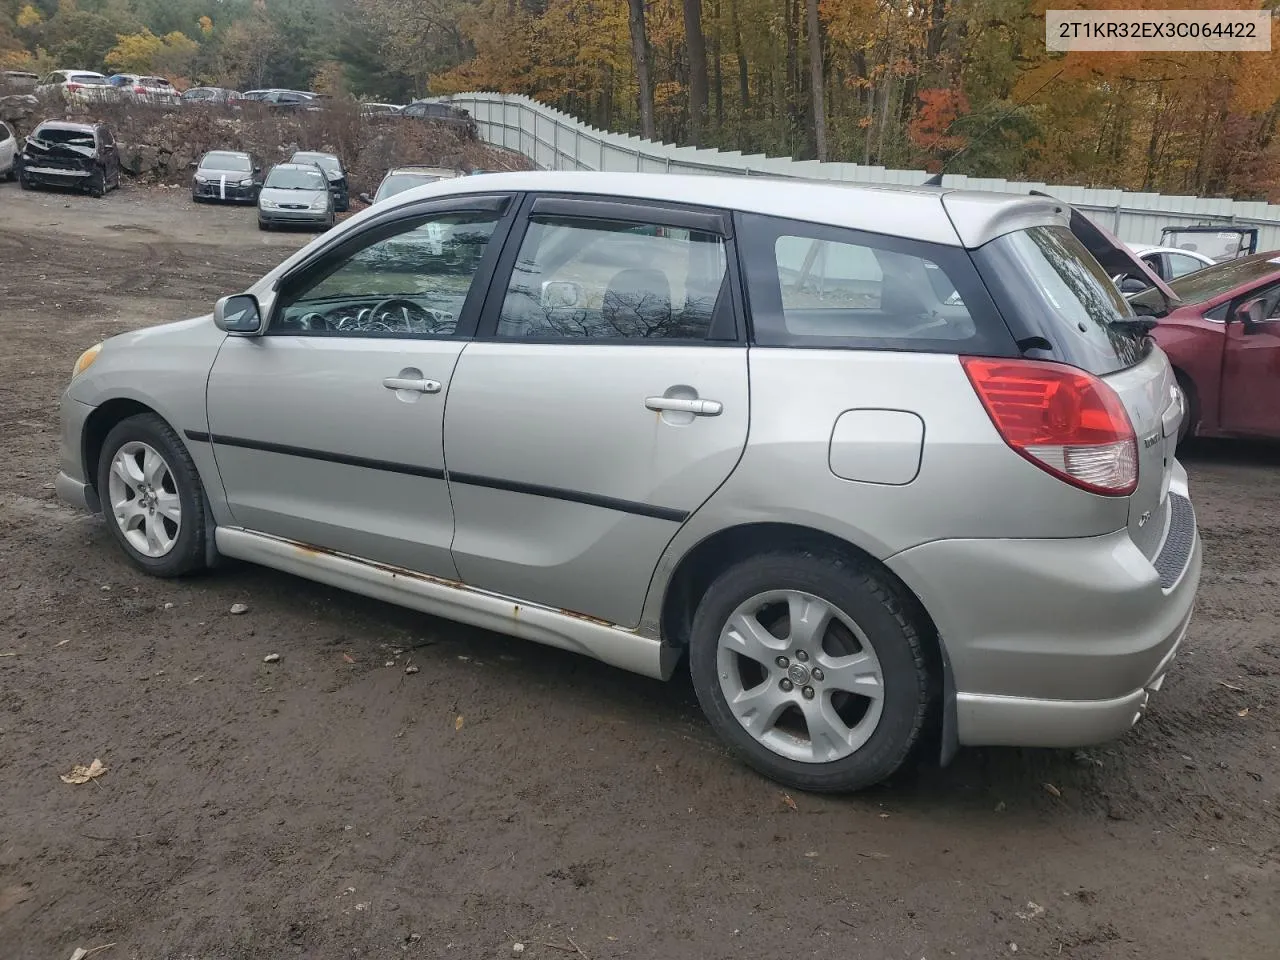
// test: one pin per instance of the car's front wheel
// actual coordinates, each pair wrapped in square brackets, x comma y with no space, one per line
[97,183]
[812,669]
[152,497]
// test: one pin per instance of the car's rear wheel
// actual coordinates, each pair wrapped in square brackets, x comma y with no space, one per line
[812,669]
[152,497]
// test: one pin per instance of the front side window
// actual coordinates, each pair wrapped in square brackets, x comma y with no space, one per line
[606,280]
[412,283]
[817,286]
[4,133]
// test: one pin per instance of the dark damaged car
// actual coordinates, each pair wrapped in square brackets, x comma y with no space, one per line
[59,153]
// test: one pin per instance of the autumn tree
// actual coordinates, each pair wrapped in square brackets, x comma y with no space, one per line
[640,63]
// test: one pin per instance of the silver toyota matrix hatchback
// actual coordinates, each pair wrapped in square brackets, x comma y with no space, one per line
[888,468]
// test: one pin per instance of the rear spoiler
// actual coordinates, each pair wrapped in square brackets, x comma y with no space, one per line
[1114,256]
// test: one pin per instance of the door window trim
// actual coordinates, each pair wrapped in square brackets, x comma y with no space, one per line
[402,220]
[728,322]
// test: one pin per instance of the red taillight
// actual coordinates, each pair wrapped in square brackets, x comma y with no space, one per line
[1062,419]
[72,87]
[139,89]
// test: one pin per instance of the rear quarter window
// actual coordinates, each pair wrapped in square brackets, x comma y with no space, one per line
[811,285]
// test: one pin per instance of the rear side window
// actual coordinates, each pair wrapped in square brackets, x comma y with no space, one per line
[605,280]
[817,286]
[1048,284]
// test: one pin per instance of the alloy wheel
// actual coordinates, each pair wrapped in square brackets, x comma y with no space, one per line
[144,499]
[800,676]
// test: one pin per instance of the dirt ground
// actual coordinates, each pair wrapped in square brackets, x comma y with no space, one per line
[331,805]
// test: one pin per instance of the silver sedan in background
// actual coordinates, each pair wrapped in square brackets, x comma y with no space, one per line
[295,194]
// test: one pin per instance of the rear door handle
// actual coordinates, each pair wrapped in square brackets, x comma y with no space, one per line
[409,383]
[699,408]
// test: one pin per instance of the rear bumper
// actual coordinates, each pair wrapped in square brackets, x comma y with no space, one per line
[1054,643]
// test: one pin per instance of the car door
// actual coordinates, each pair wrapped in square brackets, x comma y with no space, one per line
[1250,400]
[109,154]
[8,147]
[328,429]
[605,401]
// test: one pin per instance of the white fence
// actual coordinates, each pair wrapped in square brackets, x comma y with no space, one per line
[556,141]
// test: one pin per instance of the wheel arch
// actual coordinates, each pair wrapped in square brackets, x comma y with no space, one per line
[96,427]
[1187,384]
[706,560]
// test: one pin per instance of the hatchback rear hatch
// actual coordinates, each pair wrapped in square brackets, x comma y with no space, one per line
[1053,284]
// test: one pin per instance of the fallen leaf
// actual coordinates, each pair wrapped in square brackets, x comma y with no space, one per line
[82,774]
[786,799]
[61,642]
[1242,713]
[457,724]
[1050,788]
[348,658]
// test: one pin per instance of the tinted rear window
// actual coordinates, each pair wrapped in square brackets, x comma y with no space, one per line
[1047,284]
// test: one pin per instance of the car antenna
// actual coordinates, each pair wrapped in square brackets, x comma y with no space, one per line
[936,179]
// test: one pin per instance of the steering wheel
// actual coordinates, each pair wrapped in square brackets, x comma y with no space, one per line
[403,315]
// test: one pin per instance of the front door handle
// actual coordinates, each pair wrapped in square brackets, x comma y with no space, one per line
[699,408]
[410,383]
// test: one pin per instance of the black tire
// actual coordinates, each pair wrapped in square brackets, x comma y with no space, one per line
[97,183]
[24,183]
[1187,428]
[263,225]
[188,552]
[865,596]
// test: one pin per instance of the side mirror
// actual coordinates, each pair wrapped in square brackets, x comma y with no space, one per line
[238,315]
[365,198]
[1251,314]
[1130,285]
[558,294]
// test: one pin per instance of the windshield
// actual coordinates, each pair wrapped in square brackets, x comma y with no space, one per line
[1046,279]
[329,164]
[78,138]
[400,182]
[226,161]
[1212,282]
[296,178]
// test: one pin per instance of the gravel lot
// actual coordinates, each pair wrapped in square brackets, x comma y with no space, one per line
[333,805]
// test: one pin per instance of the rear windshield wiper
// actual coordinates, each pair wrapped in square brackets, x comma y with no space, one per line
[1139,326]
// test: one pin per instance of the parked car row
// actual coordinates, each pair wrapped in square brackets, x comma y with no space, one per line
[311,188]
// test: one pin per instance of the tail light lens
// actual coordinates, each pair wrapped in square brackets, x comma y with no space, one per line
[72,87]
[1065,421]
[139,89]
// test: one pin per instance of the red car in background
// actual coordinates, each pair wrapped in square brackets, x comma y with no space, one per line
[1223,340]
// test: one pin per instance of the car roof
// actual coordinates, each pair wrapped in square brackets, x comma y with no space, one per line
[236,153]
[1144,248]
[68,125]
[934,214]
[315,153]
[290,165]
